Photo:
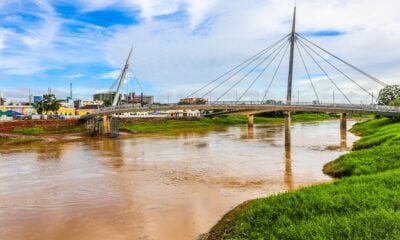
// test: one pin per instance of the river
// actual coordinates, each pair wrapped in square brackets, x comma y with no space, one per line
[155,186]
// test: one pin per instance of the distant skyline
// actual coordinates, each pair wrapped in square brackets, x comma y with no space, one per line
[181,44]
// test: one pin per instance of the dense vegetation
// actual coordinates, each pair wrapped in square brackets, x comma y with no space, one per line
[355,207]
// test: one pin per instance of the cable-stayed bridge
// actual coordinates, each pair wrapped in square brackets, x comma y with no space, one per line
[251,71]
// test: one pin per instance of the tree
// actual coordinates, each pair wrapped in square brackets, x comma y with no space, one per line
[395,102]
[388,94]
[47,104]
[107,102]
[38,107]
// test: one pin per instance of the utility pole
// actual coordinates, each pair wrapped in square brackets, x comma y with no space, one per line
[333,97]
[236,95]
[70,90]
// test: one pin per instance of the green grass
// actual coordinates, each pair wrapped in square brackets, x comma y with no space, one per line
[29,131]
[67,129]
[370,126]
[364,204]
[312,117]
[377,151]
[179,125]
[366,207]
[34,131]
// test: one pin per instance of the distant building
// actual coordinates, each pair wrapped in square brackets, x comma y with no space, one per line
[37,99]
[105,97]
[193,101]
[83,103]
[132,98]
[183,113]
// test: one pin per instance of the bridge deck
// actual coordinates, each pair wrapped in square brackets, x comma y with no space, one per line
[253,108]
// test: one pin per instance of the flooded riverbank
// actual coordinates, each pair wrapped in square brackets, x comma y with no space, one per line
[157,186]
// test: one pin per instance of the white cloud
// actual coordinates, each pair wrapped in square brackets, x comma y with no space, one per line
[169,56]
[179,55]
[110,75]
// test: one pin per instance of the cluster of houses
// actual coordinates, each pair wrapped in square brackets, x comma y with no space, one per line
[70,108]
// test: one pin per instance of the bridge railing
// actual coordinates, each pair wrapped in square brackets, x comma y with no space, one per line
[371,107]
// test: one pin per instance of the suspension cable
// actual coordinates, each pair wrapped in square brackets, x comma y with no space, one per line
[308,73]
[262,52]
[262,72]
[322,69]
[252,59]
[234,74]
[337,69]
[276,71]
[252,70]
[345,62]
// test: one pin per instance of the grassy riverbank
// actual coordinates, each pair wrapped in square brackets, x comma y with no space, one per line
[209,123]
[364,204]
[37,131]
[36,134]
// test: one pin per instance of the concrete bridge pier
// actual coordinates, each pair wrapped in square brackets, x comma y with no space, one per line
[343,131]
[250,120]
[287,128]
[343,121]
[106,125]
[110,126]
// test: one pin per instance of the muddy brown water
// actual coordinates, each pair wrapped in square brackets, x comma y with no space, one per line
[158,186]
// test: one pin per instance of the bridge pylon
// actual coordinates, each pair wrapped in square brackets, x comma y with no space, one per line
[290,81]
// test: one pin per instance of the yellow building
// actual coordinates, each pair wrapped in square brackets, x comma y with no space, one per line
[66,111]
[87,110]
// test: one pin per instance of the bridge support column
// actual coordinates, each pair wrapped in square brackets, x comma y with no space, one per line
[343,131]
[288,123]
[250,120]
[106,125]
[343,121]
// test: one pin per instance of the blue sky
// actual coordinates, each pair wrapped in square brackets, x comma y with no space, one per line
[181,44]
